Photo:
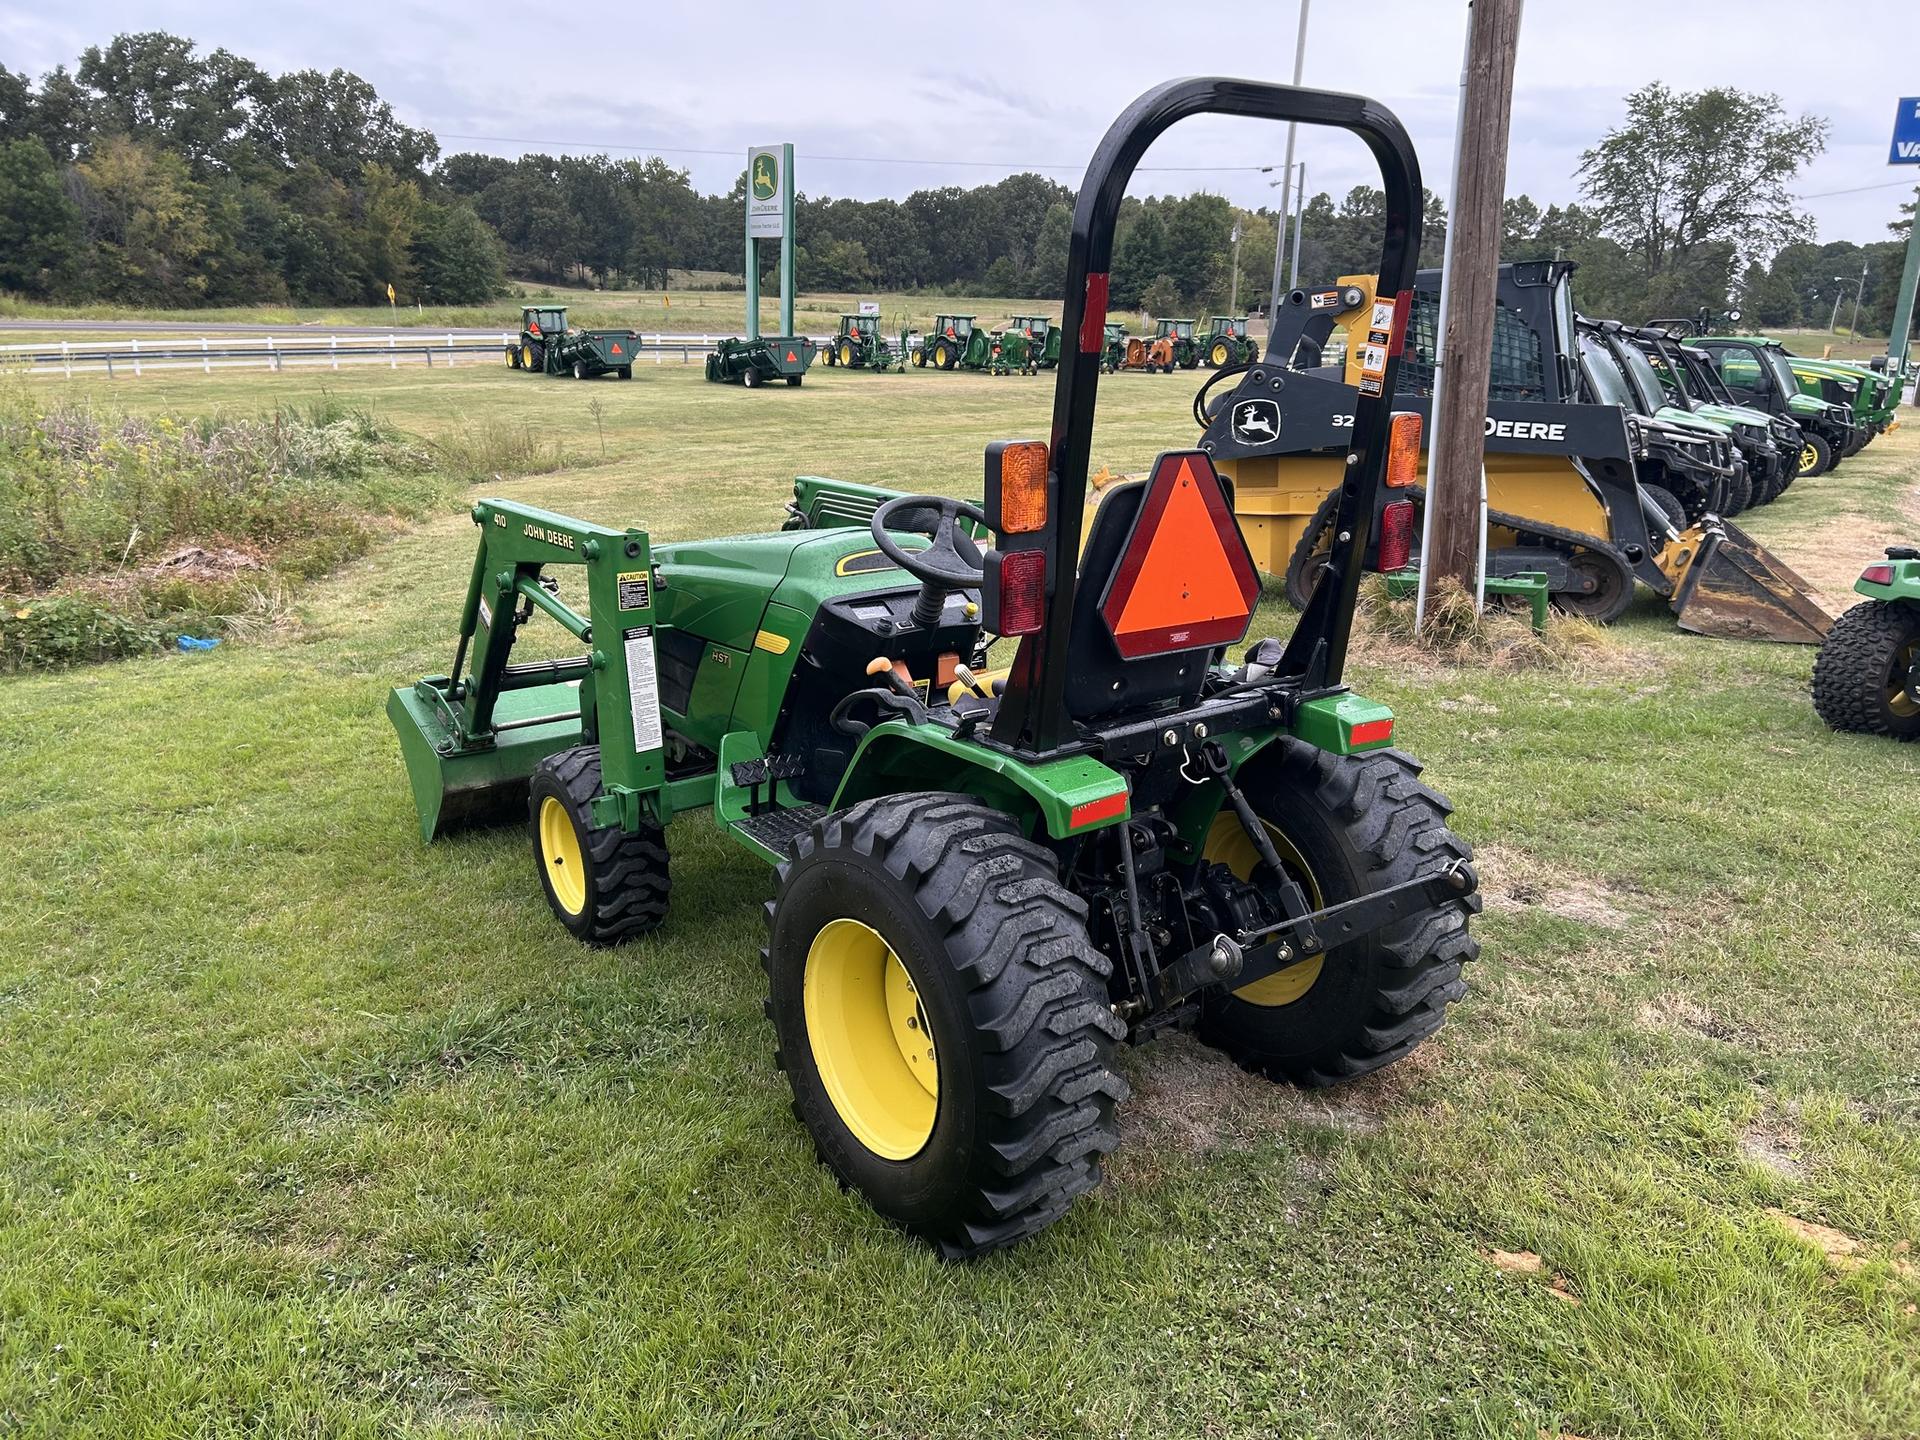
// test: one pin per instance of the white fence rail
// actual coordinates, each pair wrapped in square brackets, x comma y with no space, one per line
[206,354]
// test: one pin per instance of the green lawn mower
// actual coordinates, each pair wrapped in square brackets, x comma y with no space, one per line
[547,346]
[1866,677]
[982,882]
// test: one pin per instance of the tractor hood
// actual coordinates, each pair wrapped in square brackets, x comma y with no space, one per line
[720,589]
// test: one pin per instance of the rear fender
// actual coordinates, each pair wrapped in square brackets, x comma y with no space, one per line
[1056,798]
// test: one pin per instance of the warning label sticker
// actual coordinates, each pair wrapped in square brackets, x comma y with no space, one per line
[1370,385]
[643,687]
[1373,361]
[635,589]
[486,616]
[1324,300]
[1382,316]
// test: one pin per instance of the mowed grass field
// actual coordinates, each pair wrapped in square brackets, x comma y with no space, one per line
[306,1128]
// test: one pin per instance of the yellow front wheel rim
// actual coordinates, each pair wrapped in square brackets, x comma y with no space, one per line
[868,1032]
[560,853]
[1228,845]
[1898,701]
[1809,457]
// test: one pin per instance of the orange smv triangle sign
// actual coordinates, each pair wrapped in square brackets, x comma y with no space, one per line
[1185,580]
[792,358]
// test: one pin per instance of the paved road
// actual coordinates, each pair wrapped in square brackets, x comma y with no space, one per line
[223,327]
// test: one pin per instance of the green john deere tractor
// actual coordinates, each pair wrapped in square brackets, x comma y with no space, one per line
[1043,337]
[1228,343]
[955,343]
[547,346]
[1867,674]
[861,346]
[1113,347]
[1179,334]
[983,880]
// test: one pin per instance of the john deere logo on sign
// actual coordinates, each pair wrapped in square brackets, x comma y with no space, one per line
[766,177]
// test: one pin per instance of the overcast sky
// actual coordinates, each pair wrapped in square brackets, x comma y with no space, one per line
[907,90]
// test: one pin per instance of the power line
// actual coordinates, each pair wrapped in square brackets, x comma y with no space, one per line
[839,159]
[1856,189]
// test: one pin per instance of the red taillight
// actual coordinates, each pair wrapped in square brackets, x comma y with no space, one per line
[1093,811]
[1396,536]
[1018,601]
[1877,574]
[1370,732]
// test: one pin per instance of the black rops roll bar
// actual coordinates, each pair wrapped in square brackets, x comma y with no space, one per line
[1033,713]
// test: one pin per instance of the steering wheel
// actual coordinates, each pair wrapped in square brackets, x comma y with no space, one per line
[953,561]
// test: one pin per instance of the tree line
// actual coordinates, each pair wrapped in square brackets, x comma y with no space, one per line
[152,174]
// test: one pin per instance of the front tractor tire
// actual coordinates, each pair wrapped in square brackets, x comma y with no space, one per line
[605,884]
[943,1019]
[1816,457]
[1863,676]
[1345,826]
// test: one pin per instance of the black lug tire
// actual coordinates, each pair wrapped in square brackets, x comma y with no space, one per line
[794,379]
[1308,559]
[579,370]
[1015,997]
[626,372]
[1853,675]
[1669,504]
[1360,823]
[1739,492]
[513,357]
[1823,456]
[750,378]
[627,876]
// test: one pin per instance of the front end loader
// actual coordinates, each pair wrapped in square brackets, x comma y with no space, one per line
[983,881]
[1563,490]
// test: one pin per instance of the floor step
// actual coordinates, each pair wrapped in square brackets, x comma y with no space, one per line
[778,829]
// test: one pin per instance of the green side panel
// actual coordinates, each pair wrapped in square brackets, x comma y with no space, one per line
[1805,407]
[1327,723]
[1905,584]
[1698,420]
[715,684]
[756,704]
[896,757]
[718,589]
[452,788]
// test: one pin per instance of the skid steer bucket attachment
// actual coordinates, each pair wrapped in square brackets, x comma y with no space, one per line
[1739,590]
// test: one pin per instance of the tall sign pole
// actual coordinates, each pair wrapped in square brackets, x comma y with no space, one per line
[769,217]
[1469,281]
[1286,174]
[1905,150]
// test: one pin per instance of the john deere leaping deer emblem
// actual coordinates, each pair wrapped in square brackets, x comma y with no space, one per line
[766,177]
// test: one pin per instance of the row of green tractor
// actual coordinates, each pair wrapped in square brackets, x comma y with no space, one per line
[1028,344]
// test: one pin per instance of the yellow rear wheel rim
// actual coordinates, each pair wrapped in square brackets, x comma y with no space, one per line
[560,853]
[1228,845]
[1898,700]
[869,1037]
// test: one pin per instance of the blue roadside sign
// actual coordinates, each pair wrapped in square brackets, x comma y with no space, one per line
[1906,133]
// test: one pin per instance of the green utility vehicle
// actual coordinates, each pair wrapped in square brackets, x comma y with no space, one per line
[1870,394]
[1867,674]
[1043,338]
[1179,335]
[861,346]
[1688,464]
[754,363]
[1113,347]
[547,346]
[1758,375]
[955,343]
[1228,343]
[1770,443]
[981,882]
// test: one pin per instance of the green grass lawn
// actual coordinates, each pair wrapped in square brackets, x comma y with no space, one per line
[307,1128]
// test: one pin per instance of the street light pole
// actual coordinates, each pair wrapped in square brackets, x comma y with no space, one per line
[1280,229]
[1299,218]
[1233,305]
[1853,326]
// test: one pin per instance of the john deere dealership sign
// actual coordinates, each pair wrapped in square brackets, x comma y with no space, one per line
[769,184]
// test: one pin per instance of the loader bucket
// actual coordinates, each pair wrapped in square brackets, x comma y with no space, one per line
[455,786]
[1736,589]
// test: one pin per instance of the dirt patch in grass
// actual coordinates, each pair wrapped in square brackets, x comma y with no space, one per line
[1830,556]
[1673,1011]
[1772,1142]
[1514,881]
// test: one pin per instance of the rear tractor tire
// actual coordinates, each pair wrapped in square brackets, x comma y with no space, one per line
[1344,826]
[605,884]
[942,1019]
[1862,675]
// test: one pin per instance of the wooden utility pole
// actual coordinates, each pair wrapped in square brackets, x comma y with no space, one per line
[1452,544]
